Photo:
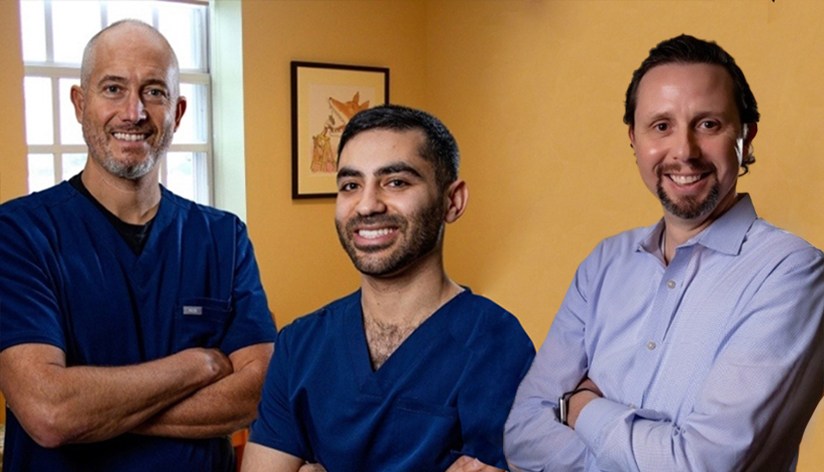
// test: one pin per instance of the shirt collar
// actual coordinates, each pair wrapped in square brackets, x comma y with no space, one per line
[725,235]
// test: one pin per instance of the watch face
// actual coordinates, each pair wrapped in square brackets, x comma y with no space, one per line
[562,409]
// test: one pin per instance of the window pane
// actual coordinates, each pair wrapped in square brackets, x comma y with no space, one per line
[70,130]
[33,23]
[38,99]
[72,165]
[74,23]
[139,10]
[184,27]
[41,171]
[194,124]
[180,174]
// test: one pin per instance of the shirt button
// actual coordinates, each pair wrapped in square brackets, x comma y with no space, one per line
[651,345]
[670,284]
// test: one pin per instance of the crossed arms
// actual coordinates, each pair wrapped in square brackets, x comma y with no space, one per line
[195,393]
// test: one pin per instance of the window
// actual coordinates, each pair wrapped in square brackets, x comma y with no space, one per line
[55,32]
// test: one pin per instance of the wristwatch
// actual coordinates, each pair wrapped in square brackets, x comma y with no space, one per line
[563,403]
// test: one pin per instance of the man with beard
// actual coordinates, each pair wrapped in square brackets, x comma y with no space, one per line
[134,330]
[696,343]
[412,372]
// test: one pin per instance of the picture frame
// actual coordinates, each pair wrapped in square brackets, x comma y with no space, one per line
[324,98]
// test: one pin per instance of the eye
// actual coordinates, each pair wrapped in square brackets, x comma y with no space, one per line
[111,89]
[396,183]
[661,126]
[155,93]
[709,124]
[347,186]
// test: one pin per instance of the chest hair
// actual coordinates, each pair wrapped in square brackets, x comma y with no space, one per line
[383,339]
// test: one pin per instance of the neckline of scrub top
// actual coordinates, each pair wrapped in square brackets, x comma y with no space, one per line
[110,240]
[410,352]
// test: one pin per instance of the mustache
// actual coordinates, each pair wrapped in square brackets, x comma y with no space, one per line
[674,168]
[376,220]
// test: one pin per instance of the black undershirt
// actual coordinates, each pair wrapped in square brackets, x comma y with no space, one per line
[134,235]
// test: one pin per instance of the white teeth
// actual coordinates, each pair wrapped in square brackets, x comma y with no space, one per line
[684,179]
[129,137]
[373,233]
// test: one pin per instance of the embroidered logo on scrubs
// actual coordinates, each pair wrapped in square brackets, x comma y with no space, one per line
[192,310]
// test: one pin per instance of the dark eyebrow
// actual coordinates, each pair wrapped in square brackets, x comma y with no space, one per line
[396,168]
[348,172]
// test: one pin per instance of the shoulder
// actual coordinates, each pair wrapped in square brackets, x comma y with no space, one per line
[30,205]
[186,206]
[773,252]
[479,318]
[40,214]
[201,217]
[324,321]
[764,235]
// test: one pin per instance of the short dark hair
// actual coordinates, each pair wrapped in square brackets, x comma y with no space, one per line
[440,147]
[686,49]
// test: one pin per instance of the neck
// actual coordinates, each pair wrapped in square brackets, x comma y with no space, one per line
[131,201]
[407,299]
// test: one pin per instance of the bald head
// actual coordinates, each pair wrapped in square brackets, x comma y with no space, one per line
[128,31]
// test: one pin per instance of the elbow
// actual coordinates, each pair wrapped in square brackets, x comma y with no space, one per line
[50,428]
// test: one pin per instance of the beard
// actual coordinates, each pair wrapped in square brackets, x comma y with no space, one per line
[129,166]
[421,232]
[689,208]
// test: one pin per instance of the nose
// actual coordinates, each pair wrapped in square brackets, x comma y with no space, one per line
[686,145]
[371,201]
[134,110]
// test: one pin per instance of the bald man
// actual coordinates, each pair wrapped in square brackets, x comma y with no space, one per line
[134,330]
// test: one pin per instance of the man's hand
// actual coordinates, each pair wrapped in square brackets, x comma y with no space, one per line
[470,464]
[578,401]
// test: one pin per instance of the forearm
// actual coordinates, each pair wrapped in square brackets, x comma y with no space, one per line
[59,405]
[261,458]
[220,408]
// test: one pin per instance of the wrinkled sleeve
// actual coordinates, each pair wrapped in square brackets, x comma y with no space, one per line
[534,439]
[762,389]
[252,322]
[277,425]
[29,310]
[497,369]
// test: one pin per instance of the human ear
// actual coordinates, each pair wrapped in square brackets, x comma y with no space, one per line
[457,196]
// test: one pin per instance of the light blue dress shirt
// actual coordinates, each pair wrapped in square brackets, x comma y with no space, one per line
[714,362]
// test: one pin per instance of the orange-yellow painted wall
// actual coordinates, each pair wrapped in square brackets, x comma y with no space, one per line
[12,136]
[533,90]
[302,263]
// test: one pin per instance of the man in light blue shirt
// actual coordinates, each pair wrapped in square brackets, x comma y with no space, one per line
[696,343]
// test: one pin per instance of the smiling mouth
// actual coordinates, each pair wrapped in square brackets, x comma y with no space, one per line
[130,137]
[374,233]
[680,179]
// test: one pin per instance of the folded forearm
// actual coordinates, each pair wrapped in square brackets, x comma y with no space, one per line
[59,405]
[220,408]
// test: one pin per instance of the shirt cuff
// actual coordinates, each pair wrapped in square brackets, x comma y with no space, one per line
[595,416]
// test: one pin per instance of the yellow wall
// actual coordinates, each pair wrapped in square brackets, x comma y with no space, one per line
[12,136]
[302,263]
[533,90]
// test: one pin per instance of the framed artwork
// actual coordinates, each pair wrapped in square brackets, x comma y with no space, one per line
[324,98]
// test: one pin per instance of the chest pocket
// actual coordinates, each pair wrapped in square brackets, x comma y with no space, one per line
[201,322]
